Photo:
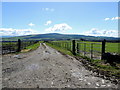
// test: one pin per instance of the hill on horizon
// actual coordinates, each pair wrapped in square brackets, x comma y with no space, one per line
[57,36]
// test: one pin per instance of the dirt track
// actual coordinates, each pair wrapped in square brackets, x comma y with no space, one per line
[47,68]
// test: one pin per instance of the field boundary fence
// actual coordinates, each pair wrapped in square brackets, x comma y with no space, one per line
[66,44]
[15,46]
[91,50]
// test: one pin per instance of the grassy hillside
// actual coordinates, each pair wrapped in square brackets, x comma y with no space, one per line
[56,36]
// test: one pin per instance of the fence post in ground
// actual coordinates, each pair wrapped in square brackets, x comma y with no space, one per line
[73,47]
[19,45]
[70,46]
[84,49]
[77,47]
[103,48]
[91,50]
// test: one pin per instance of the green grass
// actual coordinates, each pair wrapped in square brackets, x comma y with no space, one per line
[8,43]
[63,50]
[32,47]
[96,63]
[110,47]
[102,66]
[97,46]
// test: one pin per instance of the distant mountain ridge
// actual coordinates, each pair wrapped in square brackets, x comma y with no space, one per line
[57,36]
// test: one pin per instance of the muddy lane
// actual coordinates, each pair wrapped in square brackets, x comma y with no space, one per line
[47,68]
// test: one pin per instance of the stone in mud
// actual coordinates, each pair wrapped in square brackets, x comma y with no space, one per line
[97,84]
[17,56]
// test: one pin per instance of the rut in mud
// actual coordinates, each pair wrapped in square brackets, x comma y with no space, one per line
[48,68]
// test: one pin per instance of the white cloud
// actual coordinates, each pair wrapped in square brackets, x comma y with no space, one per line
[107,19]
[48,9]
[113,18]
[59,27]
[97,32]
[48,22]
[31,24]
[16,32]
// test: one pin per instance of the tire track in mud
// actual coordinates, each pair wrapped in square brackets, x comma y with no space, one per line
[48,68]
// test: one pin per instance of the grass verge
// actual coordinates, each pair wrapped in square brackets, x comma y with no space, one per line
[31,47]
[62,50]
[99,66]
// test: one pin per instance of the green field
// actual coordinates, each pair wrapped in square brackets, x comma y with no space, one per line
[97,46]
[8,43]
[113,47]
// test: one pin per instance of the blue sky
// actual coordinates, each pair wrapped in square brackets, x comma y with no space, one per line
[88,18]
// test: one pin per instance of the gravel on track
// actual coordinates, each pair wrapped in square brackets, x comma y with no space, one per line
[45,67]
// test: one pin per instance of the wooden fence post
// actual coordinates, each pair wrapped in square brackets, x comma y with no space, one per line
[91,50]
[73,47]
[84,49]
[103,48]
[19,45]
[77,47]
